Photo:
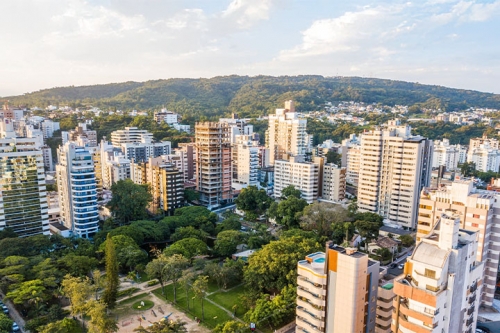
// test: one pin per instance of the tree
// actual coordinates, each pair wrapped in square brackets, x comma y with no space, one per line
[290,191]
[5,323]
[128,253]
[29,293]
[99,321]
[78,265]
[112,281]
[174,268]
[231,326]
[129,201]
[188,247]
[200,287]
[165,326]
[333,157]
[188,232]
[368,230]
[61,326]
[187,281]
[467,169]
[226,242]
[251,200]
[231,223]
[275,265]
[7,233]
[287,211]
[320,216]
[78,291]
[384,254]
[191,195]
[155,269]
[406,240]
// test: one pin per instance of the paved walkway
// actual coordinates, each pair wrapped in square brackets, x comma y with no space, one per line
[14,314]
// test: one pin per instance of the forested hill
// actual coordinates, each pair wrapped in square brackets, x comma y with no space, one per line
[254,96]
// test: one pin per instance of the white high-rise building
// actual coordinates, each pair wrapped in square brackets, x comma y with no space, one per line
[49,127]
[351,151]
[130,135]
[23,196]
[334,182]
[77,187]
[245,162]
[440,289]
[485,156]
[445,154]
[304,176]
[286,134]
[394,167]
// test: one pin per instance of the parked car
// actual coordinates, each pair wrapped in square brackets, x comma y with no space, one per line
[15,327]
[4,309]
[400,266]
[481,329]
[393,265]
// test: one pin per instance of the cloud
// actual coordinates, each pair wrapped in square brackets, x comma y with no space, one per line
[247,12]
[468,11]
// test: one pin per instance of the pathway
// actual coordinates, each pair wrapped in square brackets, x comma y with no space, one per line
[14,314]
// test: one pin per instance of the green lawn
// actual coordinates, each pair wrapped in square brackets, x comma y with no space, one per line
[228,299]
[133,299]
[147,305]
[213,314]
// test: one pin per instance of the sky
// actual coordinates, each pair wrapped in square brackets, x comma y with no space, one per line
[49,43]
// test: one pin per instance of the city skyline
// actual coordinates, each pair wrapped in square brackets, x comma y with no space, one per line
[442,42]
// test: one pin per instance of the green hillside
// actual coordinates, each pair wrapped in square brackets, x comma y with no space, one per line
[254,96]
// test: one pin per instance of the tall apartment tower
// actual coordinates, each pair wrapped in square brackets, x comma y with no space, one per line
[334,182]
[213,163]
[245,162]
[166,184]
[394,167]
[130,135]
[23,196]
[337,291]
[77,189]
[286,134]
[479,212]
[442,281]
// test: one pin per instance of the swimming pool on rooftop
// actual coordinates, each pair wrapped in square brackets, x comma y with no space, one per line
[319,260]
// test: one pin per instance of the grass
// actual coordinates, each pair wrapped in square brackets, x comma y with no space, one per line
[147,305]
[127,292]
[228,299]
[132,299]
[213,314]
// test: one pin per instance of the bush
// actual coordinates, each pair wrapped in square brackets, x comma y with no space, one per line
[153,282]
[127,292]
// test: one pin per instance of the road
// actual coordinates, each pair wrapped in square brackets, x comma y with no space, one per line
[14,314]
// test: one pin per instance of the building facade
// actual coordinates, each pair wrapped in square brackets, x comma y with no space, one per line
[23,197]
[130,135]
[304,176]
[442,281]
[334,182]
[77,189]
[245,162]
[394,167]
[337,291]
[286,134]
[213,163]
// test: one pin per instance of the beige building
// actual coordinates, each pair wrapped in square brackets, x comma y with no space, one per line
[351,151]
[130,135]
[337,292]
[213,163]
[165,184]
[304,176]
[477,142]
[334,182]
[440,289]
[478,212]
[385,297]
[286,134]
[81,136]
[187,154]
[394,167]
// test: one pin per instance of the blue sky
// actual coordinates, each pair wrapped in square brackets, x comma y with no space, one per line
[47,43]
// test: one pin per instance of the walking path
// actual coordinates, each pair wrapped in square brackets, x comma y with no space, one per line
[14,314]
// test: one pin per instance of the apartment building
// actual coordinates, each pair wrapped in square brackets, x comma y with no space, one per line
[130,135]
[394,167]
[165,116]
[187,153]
[80,136]
[446,155]
[351,152]
[442,281]
[141,152]
[334,182]
[485,156]
[385,298]
[478,212]
[337,291]
[48,162]
[49,127]
[477,142]
[245,162]
[213,163]
[23,196]
[238,127]
[77,189]
[304,176]
[286,134]
[165,183]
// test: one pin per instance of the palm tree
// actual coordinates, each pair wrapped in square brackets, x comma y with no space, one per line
[200,287]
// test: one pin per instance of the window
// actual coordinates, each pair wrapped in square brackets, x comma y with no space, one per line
[430,273]
[475,225]
[476,216]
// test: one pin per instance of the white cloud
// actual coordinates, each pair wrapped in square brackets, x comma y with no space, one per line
[247,12]
[468,11]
